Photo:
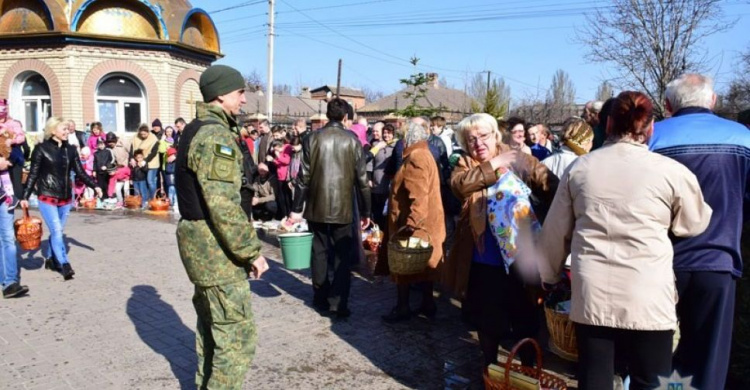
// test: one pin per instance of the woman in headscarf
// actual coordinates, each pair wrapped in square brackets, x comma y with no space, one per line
[577,139]
[416,207]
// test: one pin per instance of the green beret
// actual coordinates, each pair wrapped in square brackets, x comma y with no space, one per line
[220,80]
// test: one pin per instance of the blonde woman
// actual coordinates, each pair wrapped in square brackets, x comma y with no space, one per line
[51,164]
[496,298]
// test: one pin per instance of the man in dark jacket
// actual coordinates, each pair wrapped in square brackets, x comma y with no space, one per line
[332,169]
[706,266]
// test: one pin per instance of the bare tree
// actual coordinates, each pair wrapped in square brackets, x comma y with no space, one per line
[371,94]
[495,101]
[737,98]
[282,89]
[561,91]
[561,97]
[604,91]
[254,82]
[652,42]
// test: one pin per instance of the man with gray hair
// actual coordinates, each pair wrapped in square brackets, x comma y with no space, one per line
[707,266]
[591,112]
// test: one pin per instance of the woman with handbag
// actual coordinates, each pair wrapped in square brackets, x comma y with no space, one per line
[49,176]
[416,209]
[497,297]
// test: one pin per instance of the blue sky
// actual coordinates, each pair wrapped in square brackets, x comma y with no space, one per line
[376,38]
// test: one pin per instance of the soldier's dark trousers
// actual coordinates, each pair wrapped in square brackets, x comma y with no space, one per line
[331,265]
[225,335]
[706,313]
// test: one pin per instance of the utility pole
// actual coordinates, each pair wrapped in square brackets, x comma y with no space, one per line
[269,88]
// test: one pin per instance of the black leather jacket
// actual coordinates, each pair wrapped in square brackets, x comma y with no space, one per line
[333,166]
[50,170]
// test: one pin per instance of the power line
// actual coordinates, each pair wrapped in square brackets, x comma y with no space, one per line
[401,61]
[337,6]
[344,36]
[240,5]
[453,32]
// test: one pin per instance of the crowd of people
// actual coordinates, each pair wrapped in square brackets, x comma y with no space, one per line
[646,215]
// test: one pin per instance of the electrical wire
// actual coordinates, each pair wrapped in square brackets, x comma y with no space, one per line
[240,5]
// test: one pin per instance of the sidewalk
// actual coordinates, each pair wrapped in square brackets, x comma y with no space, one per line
[127,321]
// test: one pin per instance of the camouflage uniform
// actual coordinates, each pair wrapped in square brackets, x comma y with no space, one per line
[217,254]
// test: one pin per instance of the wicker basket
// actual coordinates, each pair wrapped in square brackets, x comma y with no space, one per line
[88,203]
[28,231]
[546,380]
[407,261]
[159,203]
[133,201]
[562,334]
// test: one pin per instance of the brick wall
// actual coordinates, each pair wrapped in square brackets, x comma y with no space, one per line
[73,72]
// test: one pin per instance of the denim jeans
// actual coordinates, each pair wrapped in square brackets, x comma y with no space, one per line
[55,217]
[172,193]
[151,180]
[9,262]
[141,188]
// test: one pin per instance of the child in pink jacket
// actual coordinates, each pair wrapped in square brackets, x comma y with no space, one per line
[97,132]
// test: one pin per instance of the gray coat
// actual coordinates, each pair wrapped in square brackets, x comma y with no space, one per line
[376,166]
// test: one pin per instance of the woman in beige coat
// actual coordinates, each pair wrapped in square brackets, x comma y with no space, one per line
[415,205]
[614,211]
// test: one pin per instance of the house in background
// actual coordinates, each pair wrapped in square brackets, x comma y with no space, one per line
[355,97]
[452,104]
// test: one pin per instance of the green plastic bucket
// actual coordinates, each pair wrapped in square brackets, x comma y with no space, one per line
[296,249]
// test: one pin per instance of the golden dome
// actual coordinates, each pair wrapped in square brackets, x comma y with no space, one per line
[147,20]
[119,18]
[23,16]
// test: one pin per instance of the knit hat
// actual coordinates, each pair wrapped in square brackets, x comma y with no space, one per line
[220,80]
[111,137]
[156,122]
[171,151]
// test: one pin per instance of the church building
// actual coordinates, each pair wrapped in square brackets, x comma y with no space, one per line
[119,62]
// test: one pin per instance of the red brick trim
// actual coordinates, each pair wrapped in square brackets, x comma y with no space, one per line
[38,67]
[185,75]
[118,66]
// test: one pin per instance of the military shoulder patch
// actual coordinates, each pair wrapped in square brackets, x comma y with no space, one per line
[224,166]
[224,151]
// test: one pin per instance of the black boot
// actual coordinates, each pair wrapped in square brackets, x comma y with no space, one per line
[52,264]
[67,271]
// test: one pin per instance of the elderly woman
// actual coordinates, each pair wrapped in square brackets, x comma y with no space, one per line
[497,300]
[51,164]
[415,205]
[577,139]
[614,212]
[381,152]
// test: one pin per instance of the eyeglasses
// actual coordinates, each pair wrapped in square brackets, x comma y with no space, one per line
[482,137]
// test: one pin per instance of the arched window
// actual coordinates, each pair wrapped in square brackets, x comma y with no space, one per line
[120,103]
[30,101]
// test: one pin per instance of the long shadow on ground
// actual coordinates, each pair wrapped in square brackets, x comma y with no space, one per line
[159,326]
[419,353]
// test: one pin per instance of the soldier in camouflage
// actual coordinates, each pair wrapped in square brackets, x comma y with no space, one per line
[218,245]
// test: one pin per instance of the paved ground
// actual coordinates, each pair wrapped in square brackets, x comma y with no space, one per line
[127,321]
